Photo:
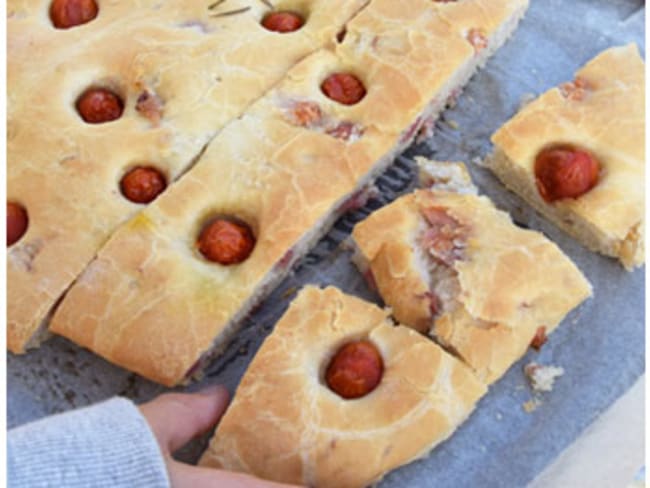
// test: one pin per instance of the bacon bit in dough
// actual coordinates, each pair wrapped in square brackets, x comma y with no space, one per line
[411,131]
[150,106]
[434,303]
[346,131]
[370,279]
[23,256]
[306,114]
[426,130]
[477,38]
[286,260]
[359,199]
[445,238]
[540,338]
[576,90]
[309,114]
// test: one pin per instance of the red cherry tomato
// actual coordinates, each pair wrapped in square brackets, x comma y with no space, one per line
[226,241]
[70,13]
[565,171]
[143,184]
[355,370]
[344,88]
[17,222]
[99,105]
[283,22]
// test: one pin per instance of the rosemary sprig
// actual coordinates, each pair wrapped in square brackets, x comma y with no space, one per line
[268,4]
[231,12]
[214,5]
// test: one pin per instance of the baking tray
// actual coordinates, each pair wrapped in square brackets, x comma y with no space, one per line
[600,345]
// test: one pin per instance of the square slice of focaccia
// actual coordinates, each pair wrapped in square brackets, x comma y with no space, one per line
[173,73]
[577,155]
[271,183]
[454,266]
[299,416]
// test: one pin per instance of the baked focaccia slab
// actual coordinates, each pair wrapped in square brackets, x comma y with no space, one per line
[577,155]
[286,169]
[285,423]
[454,266]
[181,70]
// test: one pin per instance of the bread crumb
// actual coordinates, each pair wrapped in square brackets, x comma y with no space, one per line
[541,377]
[532,405]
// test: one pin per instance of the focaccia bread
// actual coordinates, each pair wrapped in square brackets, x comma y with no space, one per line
[284,171]
[602,112]
[456,267]
[286,424]
[182,70]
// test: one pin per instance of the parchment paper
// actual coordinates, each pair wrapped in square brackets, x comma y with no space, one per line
[600,345]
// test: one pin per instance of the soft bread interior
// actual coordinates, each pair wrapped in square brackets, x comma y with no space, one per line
[447,176]
[443,262]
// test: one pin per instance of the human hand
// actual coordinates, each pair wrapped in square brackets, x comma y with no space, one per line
[175,419]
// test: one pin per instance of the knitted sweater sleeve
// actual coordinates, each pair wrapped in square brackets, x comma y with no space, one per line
[106,445]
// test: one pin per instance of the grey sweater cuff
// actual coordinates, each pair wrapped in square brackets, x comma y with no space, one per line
[107,445]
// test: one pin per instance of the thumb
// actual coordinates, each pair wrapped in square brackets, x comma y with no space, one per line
[176,418]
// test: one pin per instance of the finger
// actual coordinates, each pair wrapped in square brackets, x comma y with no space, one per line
[176,418]
[185,476]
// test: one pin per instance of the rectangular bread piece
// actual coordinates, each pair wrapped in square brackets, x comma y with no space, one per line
[183,71]
[286,424]
[601,111]
[454,266]
[288,168]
